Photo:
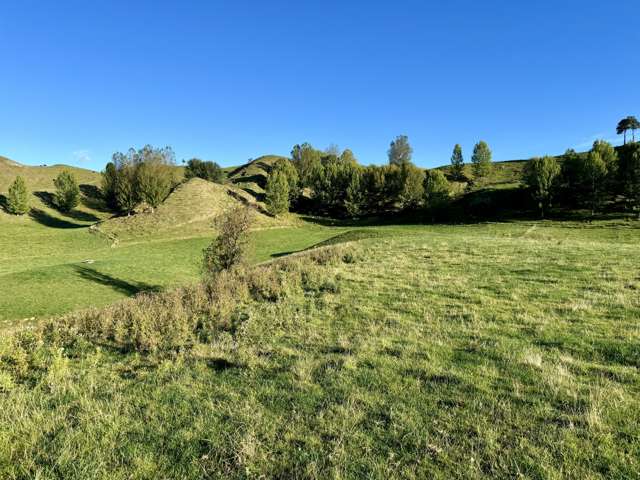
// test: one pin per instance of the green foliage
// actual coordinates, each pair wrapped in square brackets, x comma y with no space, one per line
[629,172]
[144,175]
[355,194]
[628,123]
[67,193]
[457,163]
[229,249]
[436,189]
[288,170]
[541,175]
[594,172]
[110,185]
[400,151]
[18,197]
[277,192]
[307,161]
[481,159]
[206,170]
[411,190]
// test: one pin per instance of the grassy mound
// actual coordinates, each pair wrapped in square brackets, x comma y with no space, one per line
[188,211]
[486,351]
[252,177]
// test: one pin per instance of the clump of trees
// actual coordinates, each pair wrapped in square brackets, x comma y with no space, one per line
[145,175]
[18,197]
[206,170]
[67,194]
[626,124]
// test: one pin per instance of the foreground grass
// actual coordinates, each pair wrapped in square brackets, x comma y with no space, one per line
[458,352]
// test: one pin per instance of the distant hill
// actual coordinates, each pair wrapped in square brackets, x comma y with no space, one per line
[252,177]
[41,177]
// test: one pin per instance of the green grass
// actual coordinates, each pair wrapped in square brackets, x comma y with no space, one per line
[472,351]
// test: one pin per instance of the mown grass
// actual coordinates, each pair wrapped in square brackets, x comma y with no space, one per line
[479,351]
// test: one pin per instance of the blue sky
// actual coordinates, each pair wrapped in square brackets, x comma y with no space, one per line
[230,80]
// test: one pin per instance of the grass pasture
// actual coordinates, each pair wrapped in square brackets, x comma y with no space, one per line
[475,351]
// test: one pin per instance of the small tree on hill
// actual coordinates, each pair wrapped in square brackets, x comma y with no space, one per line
[481,159]
[277,193]
[400,151]
[457,163]
[229,248]
[436,190]
[626,124]
[67,192]
[18,197]
[540,175]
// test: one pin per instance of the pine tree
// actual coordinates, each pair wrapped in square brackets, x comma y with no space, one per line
[110,185]
[436,189]
[67,192]
[277,193]
[18,197]
[481,159]
[457,163]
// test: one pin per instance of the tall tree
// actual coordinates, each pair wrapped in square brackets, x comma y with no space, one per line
[629,173]
[355,195]
[277,192]
[400,151]
[287,168]
[540,175]
[457,163]
[110,185]
[481,159]
[411,185]
[594,171]
[306,160]
[633,125]
[18,197]
[623,126]
[67,192]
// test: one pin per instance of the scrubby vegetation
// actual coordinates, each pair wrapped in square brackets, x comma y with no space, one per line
[474,352]
[18,197]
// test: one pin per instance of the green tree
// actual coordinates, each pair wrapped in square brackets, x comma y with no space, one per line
[481,159]
[347,156]
[290,172]
[306,159]
[67,192]
[412,185]
[634,125]
[629,173]
[541,175]
[110,185]
[457,163]
[355,194]
[277,192]
[622,128]
[228,250]
[400,151]
[436,190]
[206,170]
[594,172]
[18,197]
[154,179]
[126,188]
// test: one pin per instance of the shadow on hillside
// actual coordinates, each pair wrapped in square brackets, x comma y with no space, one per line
[117,284]
[43,218]
[260,180]
[260,197]
[92,198]
[48,199]
[247,203]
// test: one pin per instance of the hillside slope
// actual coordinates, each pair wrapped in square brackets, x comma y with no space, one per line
[252,177]
[41,177]
[189,210]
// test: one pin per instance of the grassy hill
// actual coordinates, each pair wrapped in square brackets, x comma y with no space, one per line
[252,177]
[476,351]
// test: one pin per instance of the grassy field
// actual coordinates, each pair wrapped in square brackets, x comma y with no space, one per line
[474,351]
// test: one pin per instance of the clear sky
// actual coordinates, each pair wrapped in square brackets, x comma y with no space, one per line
[230,80]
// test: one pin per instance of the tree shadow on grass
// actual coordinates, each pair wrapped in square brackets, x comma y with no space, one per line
[92,198]
[117,284]
[48,199]
[4,203]
[43,218]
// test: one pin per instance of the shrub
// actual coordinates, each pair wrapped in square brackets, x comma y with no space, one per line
[229,248]
[18,197]
[206,170]
[277,193]
[67,192]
